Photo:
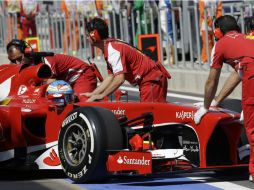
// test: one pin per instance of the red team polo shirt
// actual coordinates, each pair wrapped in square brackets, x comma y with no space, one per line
[233,48]
[138,69]
[74,71]
[125,59]
[237,50]
[66,68]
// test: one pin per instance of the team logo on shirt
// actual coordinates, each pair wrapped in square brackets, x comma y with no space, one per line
[249,37]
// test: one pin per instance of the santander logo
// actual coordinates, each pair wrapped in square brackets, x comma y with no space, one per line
[52,159]
[120,160]
[133,161]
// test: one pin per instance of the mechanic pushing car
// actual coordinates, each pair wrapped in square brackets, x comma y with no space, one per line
[125,62]
[76,72]
[235,49]
[234,79]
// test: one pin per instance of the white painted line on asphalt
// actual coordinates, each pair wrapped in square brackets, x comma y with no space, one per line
[168,94]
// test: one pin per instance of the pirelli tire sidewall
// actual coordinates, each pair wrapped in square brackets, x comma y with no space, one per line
[104,133]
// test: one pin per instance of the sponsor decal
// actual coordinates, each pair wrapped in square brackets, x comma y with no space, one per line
[118,111]
[52,159]
[22,89]
[57,95]
[190,145]
[49,159]
[70,118]
[185,115]
[130,160]
[167,153]
[133,161]
[191,148]
[79,174]
[25,110]
[29,101]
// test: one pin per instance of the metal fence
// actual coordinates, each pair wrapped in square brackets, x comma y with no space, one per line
[62,35]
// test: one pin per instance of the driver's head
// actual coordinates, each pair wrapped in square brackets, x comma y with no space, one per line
[225,24]
[16,51]
[97,30]
[60,92]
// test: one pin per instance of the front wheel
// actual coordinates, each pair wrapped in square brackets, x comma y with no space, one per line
[86,134]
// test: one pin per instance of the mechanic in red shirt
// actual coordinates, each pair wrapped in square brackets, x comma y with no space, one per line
[237,50]
[76,72]
[125,62]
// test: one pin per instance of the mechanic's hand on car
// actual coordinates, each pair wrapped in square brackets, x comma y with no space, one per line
[199,114]
[87,94]
[95,97]
[214,103]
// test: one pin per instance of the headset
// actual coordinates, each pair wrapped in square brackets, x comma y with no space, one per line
[20,44]
[94,34]
[218,33]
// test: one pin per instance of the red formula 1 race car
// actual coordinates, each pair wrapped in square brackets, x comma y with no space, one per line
[91,141]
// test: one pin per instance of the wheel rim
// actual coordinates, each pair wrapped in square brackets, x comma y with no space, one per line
[75,144]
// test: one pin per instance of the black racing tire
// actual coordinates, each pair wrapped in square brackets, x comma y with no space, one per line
[86,134]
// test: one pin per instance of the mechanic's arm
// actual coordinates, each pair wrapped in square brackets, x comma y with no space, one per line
[211,86]
[230,84]
[117,81]
[210,90]
[106,82]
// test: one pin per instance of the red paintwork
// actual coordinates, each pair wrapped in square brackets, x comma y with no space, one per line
[16,132]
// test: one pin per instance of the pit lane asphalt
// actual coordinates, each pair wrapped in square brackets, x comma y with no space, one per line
[52,180]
